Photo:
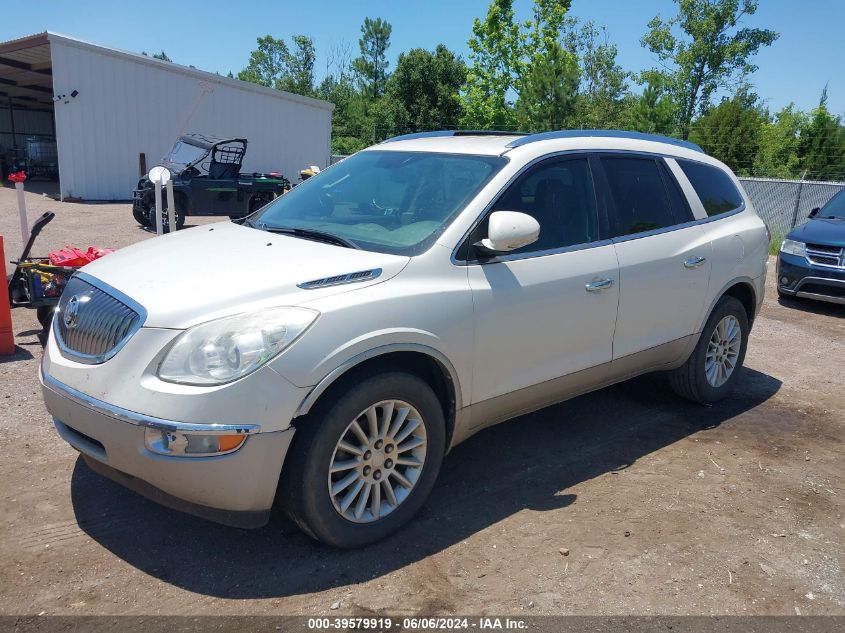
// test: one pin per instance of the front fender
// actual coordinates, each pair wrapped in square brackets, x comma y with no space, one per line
[379,345]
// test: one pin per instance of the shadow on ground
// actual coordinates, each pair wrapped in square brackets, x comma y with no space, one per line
[814,307]
[19,354]
[548,452]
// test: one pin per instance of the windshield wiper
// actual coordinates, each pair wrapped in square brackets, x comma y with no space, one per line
[311,234]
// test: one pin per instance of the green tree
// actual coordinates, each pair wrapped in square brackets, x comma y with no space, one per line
[730,132]
[299,67]
[494,61]
[508,59]
[821,147]
[709,53]
[549,90]
[603,82]
[422,93]
[654,111]
[274,65]
[371,67]
[268,63]
[777,156]
[160,55]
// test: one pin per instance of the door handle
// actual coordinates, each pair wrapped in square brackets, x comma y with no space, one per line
[694,262]
[598,285]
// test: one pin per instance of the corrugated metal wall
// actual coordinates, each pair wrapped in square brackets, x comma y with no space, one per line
[129,104]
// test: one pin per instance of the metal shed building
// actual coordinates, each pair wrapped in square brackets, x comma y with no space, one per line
[107,108]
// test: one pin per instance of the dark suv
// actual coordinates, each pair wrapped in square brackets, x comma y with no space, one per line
[811,263]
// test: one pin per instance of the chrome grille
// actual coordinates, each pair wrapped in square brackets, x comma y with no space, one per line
[824,255]
[91,324]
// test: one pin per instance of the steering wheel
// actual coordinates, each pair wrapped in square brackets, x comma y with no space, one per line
[387,211]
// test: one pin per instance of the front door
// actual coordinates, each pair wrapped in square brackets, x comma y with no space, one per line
[548,309]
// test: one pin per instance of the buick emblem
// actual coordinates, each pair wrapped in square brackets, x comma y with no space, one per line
[71,315]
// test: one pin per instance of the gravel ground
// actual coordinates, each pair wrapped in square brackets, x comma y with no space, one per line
[624,501]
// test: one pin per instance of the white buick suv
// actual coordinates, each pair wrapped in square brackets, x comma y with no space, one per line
[328,351]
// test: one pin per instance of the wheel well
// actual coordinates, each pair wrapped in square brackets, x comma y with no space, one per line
[417,363]
[745,294]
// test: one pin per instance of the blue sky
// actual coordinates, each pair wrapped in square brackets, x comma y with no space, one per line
[218,36]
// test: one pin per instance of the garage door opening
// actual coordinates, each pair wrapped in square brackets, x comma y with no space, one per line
[27,120]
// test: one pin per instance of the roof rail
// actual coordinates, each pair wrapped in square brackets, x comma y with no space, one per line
[407,137]
[436,133]
[640,136]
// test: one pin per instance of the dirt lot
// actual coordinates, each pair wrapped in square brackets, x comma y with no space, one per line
[664,507]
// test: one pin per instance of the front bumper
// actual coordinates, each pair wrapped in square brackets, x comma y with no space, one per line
[799,278]
[236,489]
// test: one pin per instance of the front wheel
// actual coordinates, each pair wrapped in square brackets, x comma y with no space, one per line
[711,370]
[364,463]
[141,215]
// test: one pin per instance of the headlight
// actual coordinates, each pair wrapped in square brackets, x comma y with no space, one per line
[793,248]
[220,351]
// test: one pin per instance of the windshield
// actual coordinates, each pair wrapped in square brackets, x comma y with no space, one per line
[835,208]
[184,154]
[392,202]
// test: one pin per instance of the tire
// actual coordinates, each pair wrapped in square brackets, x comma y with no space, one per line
[140,217]
[147,219]
[179,213]
[18,293]
[691,380]
[259,200]
[304,488]
[45,316]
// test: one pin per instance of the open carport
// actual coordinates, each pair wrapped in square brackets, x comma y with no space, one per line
[78,101]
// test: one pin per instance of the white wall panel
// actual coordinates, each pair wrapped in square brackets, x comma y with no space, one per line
[129,104]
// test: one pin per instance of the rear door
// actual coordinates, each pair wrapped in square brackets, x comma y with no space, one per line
[664,256]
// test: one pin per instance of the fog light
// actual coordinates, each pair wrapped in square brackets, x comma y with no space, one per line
[784,281]
[191,444]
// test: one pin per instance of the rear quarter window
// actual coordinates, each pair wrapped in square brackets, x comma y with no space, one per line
[714,187]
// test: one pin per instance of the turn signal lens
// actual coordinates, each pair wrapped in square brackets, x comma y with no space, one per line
[191,444]
[229,442]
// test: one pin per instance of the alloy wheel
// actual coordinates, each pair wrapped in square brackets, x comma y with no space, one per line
[723,351]
[377,461]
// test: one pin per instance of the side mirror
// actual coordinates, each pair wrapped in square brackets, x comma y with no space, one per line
[510,230]
[813,212]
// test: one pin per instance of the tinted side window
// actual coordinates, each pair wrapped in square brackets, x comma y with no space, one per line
[559,195]
[639,196]
[713,186]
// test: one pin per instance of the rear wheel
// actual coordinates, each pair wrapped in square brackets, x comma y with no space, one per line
[365,462]
[711,370]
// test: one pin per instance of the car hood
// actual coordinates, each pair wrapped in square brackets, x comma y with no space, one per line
[820,231]
[217,270]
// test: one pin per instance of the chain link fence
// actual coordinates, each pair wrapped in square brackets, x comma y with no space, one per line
[784,204]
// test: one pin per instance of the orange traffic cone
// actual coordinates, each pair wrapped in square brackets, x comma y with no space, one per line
[7,340]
